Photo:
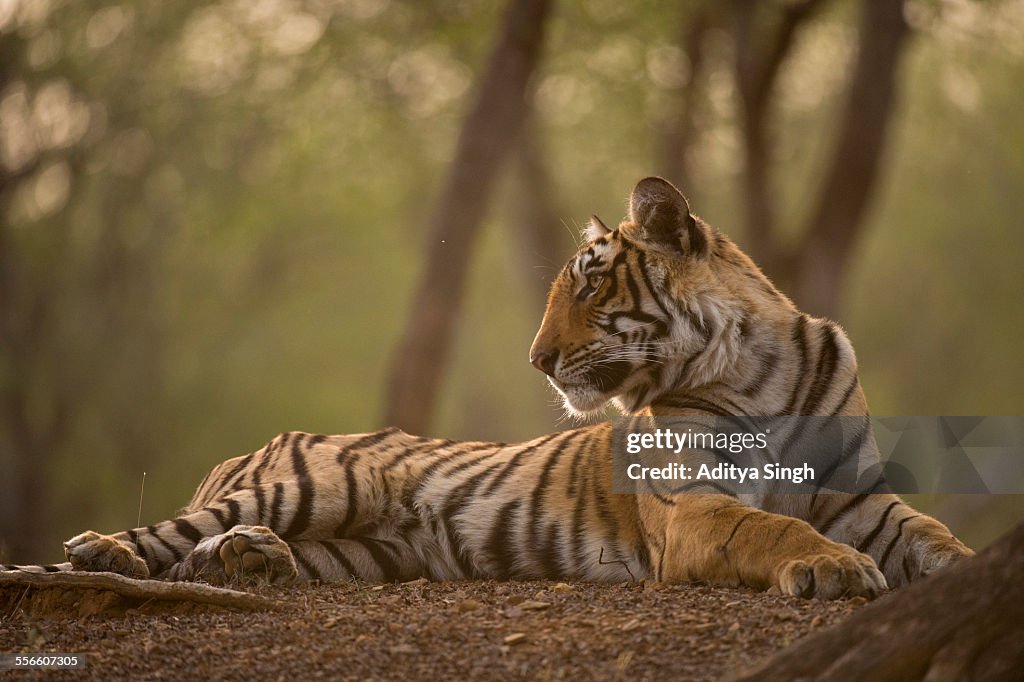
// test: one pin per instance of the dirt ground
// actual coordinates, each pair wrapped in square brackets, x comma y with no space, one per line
[420,630]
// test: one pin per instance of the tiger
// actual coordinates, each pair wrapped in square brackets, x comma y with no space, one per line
[661,316]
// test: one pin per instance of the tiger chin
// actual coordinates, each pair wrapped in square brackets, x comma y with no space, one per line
[661,316]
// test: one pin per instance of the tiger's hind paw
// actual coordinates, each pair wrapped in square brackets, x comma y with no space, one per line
[91,551]
[244,553]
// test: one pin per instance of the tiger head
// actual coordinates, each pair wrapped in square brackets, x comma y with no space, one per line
[660,303]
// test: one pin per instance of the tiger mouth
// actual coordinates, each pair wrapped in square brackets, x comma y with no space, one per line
[603,379]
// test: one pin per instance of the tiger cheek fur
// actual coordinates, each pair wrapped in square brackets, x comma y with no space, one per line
[662,316]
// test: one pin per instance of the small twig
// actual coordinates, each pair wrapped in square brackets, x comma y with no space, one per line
[600,560]
[138,521]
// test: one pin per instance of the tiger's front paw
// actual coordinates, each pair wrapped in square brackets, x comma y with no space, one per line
[244,553]
[836,573]
[91,551]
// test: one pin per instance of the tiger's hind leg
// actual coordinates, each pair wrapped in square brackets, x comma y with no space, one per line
[244,552]
[91,551]
[255,553]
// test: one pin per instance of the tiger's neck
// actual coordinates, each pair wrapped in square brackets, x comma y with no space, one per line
[758,366]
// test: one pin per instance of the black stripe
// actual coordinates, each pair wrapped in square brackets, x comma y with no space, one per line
[801,343]
[514,462]
[261,504]
[365,442]
[603,505]
[257,473]
[133,535]
[578,533]
[388,567]
[50,568]
[413,449]
[858,499]
[827,359]
[305,563]
[234,514]
[188,531]
[336,552]
[693,403]
[219,515]
[351,495]
[550,560]
[571,487]
[846,396]
[768,362]
[166,545]
[242,462]
[866,542]
[541,487]
[303,513]
[641,262]
[499,542]
[724,549]
[895,539]
[416,485]
[275,506]
[849,450]
[782,533]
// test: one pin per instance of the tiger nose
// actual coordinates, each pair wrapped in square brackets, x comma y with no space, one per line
[545,361]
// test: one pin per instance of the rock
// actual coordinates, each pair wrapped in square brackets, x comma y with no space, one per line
[531,605]
[562,588]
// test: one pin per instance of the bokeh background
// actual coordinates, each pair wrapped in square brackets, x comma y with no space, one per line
[217,219]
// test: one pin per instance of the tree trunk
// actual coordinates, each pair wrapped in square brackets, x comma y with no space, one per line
[680,132]
[851,178]
[544,239]
[489,132]
[967,622]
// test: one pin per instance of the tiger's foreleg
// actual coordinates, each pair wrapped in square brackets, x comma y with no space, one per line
[905,543]
[719,540]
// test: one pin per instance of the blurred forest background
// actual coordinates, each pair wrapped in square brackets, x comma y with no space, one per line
[222,220]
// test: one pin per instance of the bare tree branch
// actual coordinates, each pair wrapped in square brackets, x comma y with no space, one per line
[757,70]
[680,130]
[134,590]
[537,218]
[489,132]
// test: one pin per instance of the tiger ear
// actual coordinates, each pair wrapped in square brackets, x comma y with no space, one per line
[662,214]
[595,229]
